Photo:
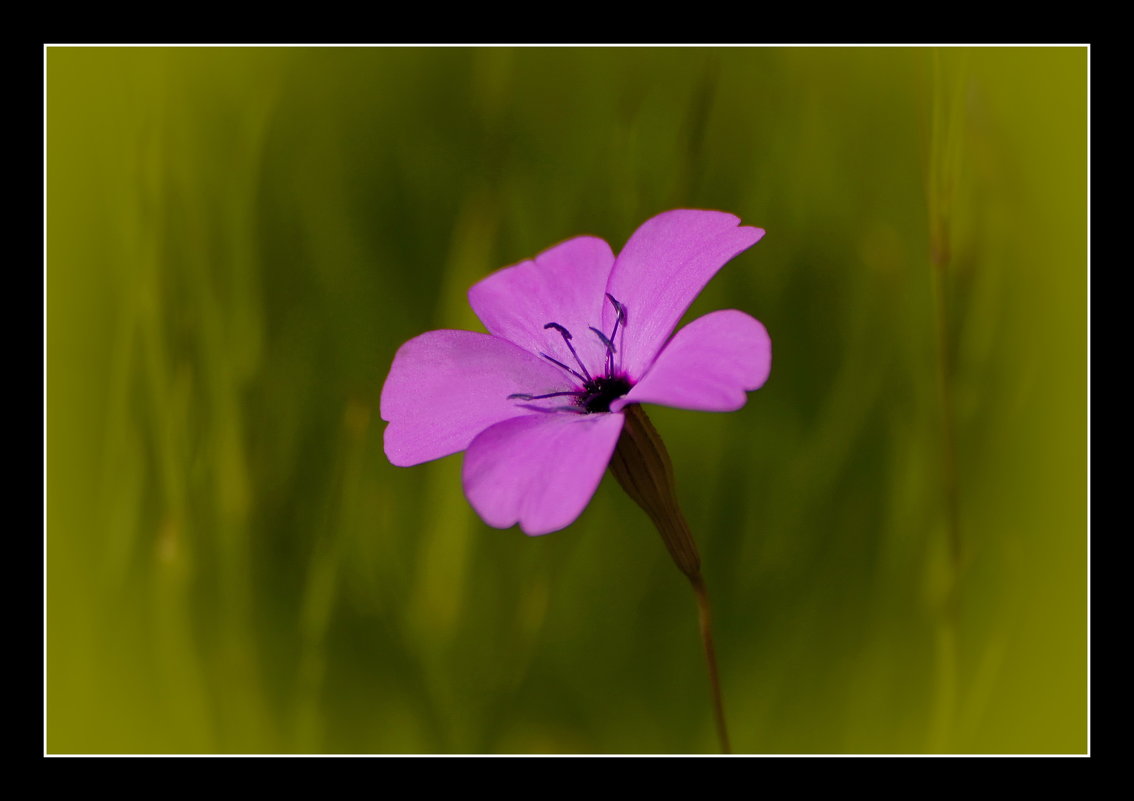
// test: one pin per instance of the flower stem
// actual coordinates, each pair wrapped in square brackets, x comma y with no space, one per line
[642,467]
[706,620]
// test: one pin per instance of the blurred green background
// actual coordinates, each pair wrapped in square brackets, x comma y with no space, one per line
[894,529]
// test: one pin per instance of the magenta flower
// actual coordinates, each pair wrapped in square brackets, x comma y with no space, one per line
[574,336]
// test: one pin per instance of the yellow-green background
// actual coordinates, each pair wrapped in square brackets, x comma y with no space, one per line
[894,529]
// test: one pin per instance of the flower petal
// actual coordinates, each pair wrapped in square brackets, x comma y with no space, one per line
[445,387]
[539,470]
[659,273]
[563,285]
[709,365]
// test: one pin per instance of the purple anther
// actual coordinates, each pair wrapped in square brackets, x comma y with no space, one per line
[606,342]
[566,334]
[567,340]
[619,309]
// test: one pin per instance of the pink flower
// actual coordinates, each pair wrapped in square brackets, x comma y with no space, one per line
[574,336]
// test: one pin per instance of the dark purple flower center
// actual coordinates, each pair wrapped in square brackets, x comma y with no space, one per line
[602,392]
[597,392]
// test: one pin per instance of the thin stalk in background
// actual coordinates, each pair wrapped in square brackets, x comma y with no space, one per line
[943,173]
[944,169]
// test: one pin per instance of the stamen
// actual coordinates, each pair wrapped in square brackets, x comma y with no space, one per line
[609,345]
[619,309]
[567,339]
[619,318]
[553,360]
[609,350]
[596,394]
[531,407]
[527,397]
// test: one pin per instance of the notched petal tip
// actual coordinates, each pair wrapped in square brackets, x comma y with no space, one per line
[665,264]
[701,222]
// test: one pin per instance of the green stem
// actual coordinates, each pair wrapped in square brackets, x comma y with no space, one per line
[642,466]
